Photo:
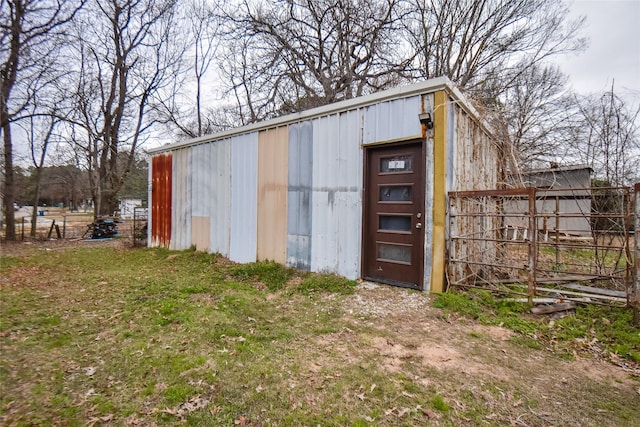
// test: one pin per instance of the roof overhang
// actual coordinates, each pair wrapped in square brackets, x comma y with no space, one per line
[427,86]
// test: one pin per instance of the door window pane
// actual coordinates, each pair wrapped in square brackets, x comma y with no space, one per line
[402,163]
[395,193]
[394,253]
[394,223]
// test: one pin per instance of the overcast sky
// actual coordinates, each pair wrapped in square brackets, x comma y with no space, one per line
[613,27]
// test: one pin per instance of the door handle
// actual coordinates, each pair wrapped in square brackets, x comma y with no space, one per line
[419,225]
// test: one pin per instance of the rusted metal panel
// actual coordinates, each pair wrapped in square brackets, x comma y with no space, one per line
[273,170]
[181,193]
[161,200]
[244,197]
[299,197]
[337,194]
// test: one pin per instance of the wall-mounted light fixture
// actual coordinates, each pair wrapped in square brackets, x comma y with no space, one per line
[425,119]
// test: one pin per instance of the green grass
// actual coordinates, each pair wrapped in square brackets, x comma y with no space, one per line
[611,327]
[152,336]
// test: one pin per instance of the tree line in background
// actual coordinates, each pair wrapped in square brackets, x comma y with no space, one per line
[67,186]
[90,81]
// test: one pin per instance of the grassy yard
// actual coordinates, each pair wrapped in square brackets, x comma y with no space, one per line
[115,336]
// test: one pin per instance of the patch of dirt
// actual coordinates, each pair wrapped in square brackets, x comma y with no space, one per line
[410,330]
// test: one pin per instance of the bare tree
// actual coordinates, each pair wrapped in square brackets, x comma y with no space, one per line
[537,110]
[201,39]
[127,64]
[607,137]
[485,45]
[40,133]
[290,55]
[31,33]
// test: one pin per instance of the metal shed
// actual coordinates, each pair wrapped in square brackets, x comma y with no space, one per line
[357,188]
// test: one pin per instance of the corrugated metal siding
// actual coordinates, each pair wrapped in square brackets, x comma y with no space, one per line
[273,174]
[201,190]
[299,197]
[472,164]
[473,161]
[244,197]
[337,194]
[219,174]
[161,179]
[211,196]
[294,194]
[392,120]
[181,194]
[427,100]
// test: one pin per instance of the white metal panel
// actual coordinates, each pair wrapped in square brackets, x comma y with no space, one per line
[244,198]
[181,200]
[392,120]
[350,201]
[202,185]
[337,196]
[219,159]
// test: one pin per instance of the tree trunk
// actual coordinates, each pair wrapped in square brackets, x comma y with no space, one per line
[36,199]
[9,188]
[108,203]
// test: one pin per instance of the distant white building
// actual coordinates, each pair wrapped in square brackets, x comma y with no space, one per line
[127,206]
[567,197]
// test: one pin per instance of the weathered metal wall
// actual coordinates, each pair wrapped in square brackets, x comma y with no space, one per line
[569,193]
[200,201]
[244,197]
[299,197]
[181,194]
[473,163]
[473,158]
[336,199]
[293,193]
[161,201]
[391,120]
[273,175]
[219,170]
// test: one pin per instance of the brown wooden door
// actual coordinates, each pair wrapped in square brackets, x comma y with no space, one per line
[393,240]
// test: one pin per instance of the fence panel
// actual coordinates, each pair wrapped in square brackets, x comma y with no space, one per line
[569,243]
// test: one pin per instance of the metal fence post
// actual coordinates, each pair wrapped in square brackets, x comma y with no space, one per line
[635,291]
[533,244]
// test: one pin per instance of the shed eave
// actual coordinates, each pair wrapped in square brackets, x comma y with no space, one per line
[427,86]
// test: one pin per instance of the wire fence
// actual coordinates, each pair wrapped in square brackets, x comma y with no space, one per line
[52,224]
[577,244]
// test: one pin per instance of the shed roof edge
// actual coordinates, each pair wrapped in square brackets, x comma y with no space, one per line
[427,86]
